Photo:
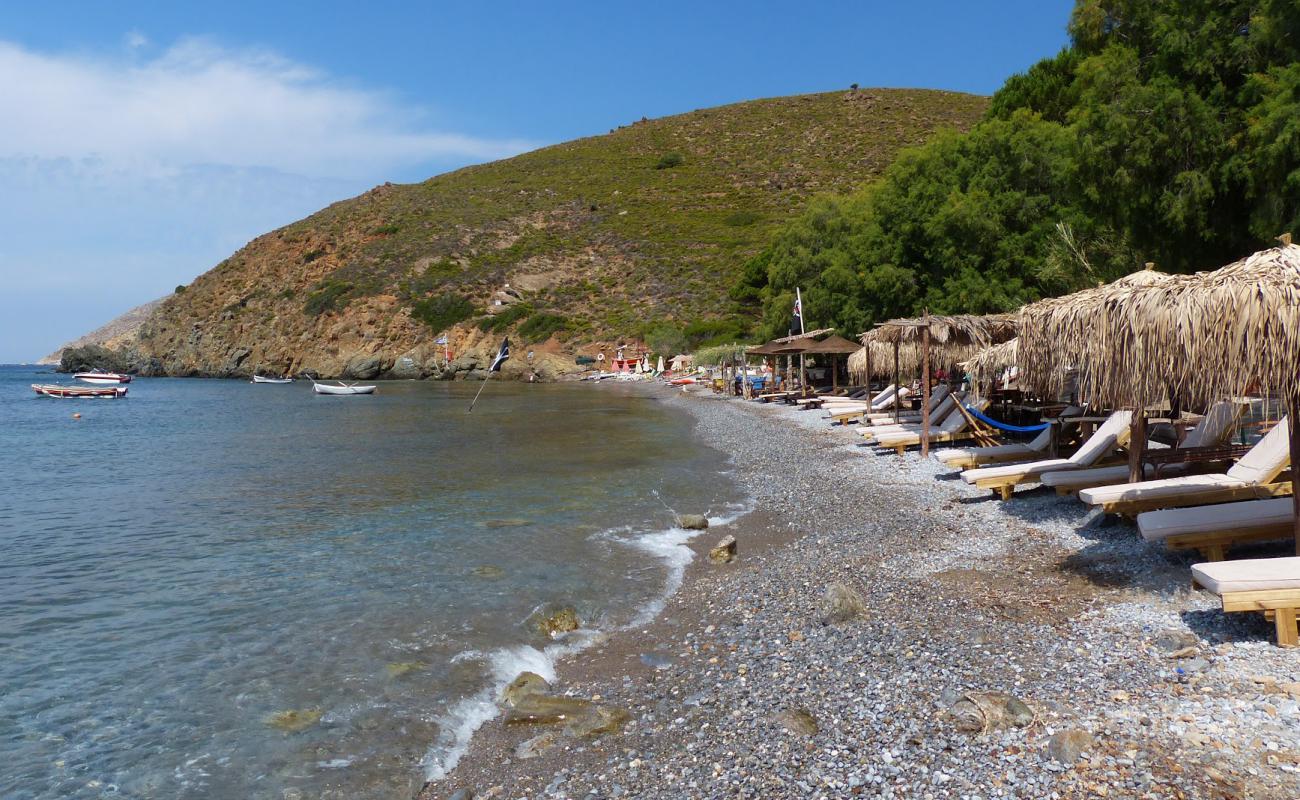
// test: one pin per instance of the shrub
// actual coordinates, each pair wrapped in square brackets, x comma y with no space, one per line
[329,295]
[741,219]
[664,338]
[707,332]
[443,311]
[312,255]
[180,289]
[505,319]
[540,327]
[670,160]
[387,230]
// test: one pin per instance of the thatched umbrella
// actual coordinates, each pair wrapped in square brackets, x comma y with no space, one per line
[957,335]
[1213,334]
[833,345]
[986,366]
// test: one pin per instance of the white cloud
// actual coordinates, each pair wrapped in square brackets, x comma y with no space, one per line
[199,103]
[134,40]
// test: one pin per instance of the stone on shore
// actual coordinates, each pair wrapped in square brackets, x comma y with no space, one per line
[798,721]
[1066,746]
[534,747]
[528,683]
[581,719]
[843,603]
[724,551]
[692,522]
[983,711]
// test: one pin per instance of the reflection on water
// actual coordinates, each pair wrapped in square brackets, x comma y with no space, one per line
[218,589]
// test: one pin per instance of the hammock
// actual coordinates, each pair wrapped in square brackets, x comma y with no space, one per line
[975,412]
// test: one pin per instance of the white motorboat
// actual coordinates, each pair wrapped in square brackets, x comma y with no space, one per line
[102,378]
[341,388]
[263,379]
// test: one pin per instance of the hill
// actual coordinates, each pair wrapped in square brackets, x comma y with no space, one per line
[116,334]
[597,239]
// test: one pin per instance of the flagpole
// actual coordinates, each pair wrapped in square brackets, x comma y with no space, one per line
[803,357]
[479,392]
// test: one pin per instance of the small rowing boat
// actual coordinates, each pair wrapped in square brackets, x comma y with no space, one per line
[55,390]
[100,377]
[340,388]
[262,379]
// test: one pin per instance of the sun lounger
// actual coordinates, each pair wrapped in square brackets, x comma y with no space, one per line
[1253,477]
[1217,425]
[1268,585]
[937,396]
[957,426]
[1211,530]
[940,412]
[1002,453]
[847,413]
[1003,479]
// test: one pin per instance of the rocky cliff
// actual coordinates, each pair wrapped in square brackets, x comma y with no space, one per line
[568,249]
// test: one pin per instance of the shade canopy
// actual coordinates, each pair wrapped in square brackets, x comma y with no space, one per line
[1208,336]
[834,345]
[956,330]
[986,366]
[1056,332]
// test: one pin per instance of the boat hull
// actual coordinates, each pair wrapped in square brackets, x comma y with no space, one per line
[102,378]
[260,379]
[78,392]
[321,388]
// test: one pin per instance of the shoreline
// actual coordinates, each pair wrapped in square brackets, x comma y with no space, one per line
[1097,632]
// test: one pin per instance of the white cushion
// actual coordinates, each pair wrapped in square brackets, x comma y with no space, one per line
[963,453]
[884,395]
[1249,574]
[1267,458]
[1094,476]
[1166,487]
[1012,470]
[1156,526]
[1104,439]
[1214,428]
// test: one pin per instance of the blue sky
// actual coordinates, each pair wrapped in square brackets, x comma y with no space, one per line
[144,142]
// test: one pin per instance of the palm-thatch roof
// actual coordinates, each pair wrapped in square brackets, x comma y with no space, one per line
[987,365]
[953,338]
[833,345]
[1207,336]
[1055,332]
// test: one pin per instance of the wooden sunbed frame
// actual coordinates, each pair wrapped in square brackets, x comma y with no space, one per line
[975,429]
[1278,605]
[1230,494]
[1005,485]
[995,459]
[1213,545]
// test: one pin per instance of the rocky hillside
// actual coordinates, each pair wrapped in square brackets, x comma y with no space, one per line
[569,248]
[119,334]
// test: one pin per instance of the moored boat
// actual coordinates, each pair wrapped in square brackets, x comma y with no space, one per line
[56,390]
[100,377]
[264,379]
[340,388]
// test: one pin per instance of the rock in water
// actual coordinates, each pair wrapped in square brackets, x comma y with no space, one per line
[527,683]
[982,711]
[545,709]
[692,522]
[295,719]
[724,551]
[1066,746]
[489,571]
[562,621]
[843,603]
[797,720]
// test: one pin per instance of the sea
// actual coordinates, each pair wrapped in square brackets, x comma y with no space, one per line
[218,589]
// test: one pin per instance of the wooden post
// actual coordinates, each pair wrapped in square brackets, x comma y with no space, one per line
[1137,444]
[835,371]
[1293,423]
[925,386]
[866,362]
[898,400]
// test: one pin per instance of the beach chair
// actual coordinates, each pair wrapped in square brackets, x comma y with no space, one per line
[945,408]
[1032,450]
[1003,479]
[937,396]
[1253,477]
[1268,585]
[1216,426]
[856,412]
[1211,530]
[957,426]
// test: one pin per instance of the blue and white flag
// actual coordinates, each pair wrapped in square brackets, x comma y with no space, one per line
[502,355]
[441,339]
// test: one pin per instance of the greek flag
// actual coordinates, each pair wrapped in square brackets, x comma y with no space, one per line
[796,319]
[502,355]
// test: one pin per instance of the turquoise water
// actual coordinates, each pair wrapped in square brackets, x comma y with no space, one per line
[180,567]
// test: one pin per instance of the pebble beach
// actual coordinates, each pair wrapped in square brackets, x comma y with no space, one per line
[886,630]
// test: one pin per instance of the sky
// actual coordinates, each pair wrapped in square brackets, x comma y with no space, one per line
[143,142]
